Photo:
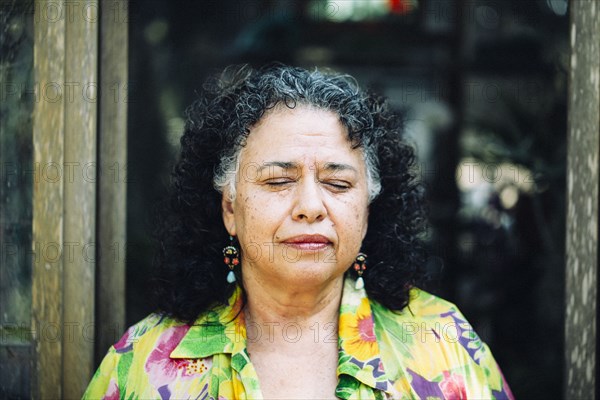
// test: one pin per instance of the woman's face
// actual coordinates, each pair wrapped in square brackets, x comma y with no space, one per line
[301,208]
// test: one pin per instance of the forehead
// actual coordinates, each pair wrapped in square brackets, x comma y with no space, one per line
[302,134]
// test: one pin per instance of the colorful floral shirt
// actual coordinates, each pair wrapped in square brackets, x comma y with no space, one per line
[427,351]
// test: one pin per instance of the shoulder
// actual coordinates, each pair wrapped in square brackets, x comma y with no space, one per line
[431,345]
[428,320]
[429,327]
[422,306]
[426,304]
[152,331]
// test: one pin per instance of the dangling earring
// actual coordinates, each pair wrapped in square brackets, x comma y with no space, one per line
[231,259]
[360,267]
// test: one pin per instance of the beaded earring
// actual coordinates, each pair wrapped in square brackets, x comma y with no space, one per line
[360,265]
[231,259]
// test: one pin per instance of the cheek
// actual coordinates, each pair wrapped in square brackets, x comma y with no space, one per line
[353,224]
[257,217]
[362,219]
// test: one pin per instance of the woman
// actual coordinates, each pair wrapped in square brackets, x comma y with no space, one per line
[291,255]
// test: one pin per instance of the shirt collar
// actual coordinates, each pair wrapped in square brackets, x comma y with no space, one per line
[223,330]
[359,354]
[220,330]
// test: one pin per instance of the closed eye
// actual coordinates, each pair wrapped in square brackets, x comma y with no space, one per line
[341,186]
[279,182]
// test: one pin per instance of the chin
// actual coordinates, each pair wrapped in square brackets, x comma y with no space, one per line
[310,273]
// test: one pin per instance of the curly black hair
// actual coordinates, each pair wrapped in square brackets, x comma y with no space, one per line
[191,276]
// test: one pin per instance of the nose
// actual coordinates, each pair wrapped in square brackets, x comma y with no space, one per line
[309,205]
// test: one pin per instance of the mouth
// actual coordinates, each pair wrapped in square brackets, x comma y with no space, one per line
[308,242]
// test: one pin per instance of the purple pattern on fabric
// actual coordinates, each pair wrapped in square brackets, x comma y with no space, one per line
[382,386]
[502,395]
[423,387]
[354,361]
[505,393]
[377,367]
[125,349]
[377,371]
[204,393]
[123,345]
[464,341]
[165,393]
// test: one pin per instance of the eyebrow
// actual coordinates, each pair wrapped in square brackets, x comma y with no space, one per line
[280,164]
[334,167]
[339,167]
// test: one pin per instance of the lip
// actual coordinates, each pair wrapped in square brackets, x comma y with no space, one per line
[308,242]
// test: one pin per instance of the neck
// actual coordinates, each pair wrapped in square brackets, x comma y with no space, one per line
[288,314]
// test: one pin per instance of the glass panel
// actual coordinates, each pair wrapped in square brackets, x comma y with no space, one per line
[359,10]
[17,176]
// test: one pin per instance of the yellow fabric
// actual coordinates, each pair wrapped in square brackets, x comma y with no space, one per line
[427,351]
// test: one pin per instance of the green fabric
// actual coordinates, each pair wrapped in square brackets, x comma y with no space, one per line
[427,351]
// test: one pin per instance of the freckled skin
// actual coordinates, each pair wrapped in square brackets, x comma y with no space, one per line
[282,203]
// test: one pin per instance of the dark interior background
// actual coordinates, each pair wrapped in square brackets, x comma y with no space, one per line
[483,87]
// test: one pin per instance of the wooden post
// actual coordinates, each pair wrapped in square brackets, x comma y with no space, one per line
[112,185]
[48,204]
[582,201]
[80,194]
